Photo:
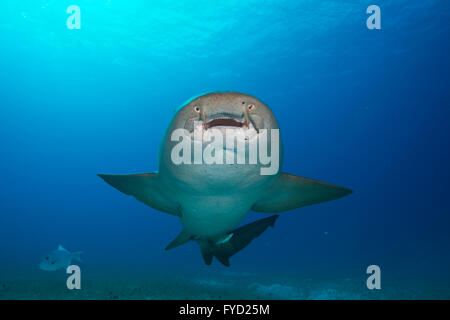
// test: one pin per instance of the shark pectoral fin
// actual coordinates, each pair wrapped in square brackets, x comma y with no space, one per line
[238,240]
[182,238]
[289,192]
[145,188]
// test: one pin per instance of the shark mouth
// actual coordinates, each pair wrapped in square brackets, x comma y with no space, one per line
[225,122]
[241,125]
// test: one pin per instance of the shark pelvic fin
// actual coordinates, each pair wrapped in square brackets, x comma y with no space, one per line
[182,238]
[235,241]
[206,254]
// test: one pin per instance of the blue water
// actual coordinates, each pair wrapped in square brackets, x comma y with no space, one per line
[365,109]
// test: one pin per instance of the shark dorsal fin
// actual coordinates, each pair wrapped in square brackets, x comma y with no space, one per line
[60,247]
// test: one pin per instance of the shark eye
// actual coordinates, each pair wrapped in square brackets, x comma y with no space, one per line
[197,109]
[251,106]
[46,258]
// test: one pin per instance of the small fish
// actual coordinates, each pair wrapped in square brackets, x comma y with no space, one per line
[59,258]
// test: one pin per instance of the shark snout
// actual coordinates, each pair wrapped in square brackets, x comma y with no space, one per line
[226,111]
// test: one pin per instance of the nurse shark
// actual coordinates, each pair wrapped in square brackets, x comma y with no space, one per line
[212,198]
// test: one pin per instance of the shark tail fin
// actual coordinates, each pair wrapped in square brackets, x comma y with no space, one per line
[77,255]
[182,238]
[235,241]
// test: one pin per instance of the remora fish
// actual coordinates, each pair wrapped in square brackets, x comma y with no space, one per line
[212,199]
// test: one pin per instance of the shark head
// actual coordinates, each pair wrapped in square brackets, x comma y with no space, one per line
[203,125]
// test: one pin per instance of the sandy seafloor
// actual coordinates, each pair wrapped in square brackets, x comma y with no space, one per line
[225,284]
